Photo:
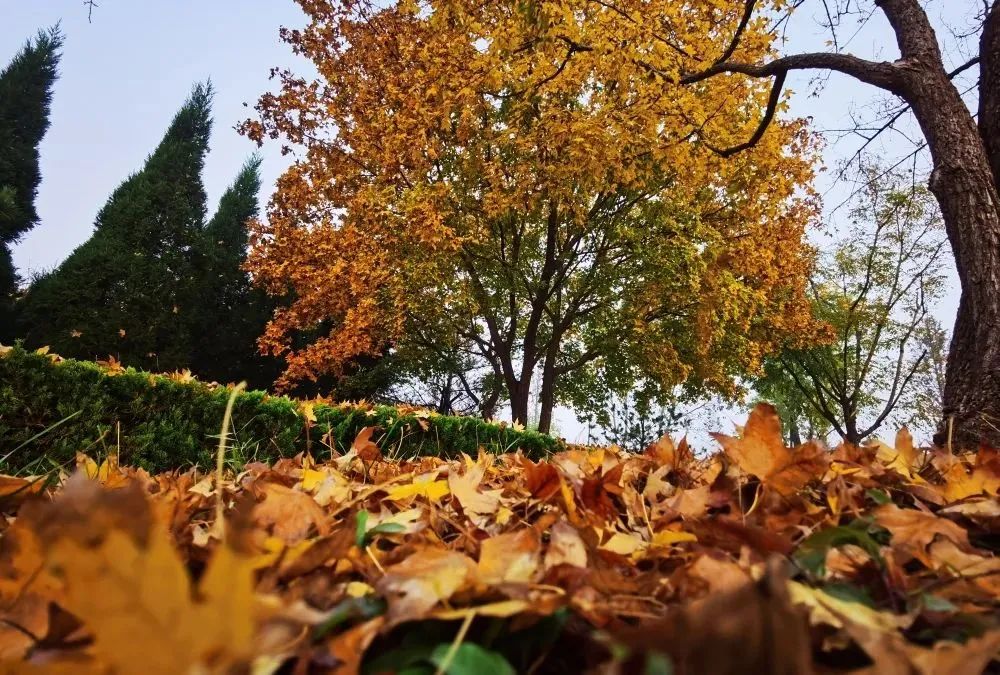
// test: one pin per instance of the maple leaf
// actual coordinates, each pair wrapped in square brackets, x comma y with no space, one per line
[289,514]
[913,531]
[424,579]
[133,593]
[760,451]
[510,557]
[364,447]
[466,488]
[422,486]
[566,547]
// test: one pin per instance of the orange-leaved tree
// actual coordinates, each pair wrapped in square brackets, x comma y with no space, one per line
[459,187]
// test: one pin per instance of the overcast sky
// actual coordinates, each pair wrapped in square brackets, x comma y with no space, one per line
[125,74]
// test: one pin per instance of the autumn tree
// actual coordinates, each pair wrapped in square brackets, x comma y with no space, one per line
[728,47]
[25,101]
[467,179]
[874,290]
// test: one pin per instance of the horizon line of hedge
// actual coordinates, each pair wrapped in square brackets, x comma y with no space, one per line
[52,408]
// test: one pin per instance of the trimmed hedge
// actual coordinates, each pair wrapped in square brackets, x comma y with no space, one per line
[162,423]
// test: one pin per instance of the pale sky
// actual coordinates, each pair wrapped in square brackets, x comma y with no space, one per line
[124,75]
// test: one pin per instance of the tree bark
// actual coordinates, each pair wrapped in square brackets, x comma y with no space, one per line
[520,394]
[989,89]
[548,388]
[963,183]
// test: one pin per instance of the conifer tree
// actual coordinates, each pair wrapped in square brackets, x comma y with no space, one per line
[231,313]
[131,289]
[25,101]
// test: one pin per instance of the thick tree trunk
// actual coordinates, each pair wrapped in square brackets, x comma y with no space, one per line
[989,89]
[963,183]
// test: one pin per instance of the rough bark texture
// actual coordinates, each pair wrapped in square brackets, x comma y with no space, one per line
[963,182]
[989,89]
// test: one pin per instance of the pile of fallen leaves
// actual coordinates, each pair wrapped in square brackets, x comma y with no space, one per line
[761,558]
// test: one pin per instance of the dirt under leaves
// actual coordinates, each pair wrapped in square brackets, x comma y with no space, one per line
[760,559]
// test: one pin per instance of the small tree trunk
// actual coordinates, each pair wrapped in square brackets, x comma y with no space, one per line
[794,437]
[519,398]
[548,398]
[488,408]
[444,403]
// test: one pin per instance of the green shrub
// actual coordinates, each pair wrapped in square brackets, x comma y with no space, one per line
[52,408]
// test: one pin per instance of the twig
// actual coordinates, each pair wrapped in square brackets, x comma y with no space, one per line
[459,637]
[221,455]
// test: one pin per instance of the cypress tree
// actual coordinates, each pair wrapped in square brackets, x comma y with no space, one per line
[131,289]
[25,102]
[232,313]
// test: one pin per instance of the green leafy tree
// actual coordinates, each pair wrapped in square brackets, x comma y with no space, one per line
[926,403]
[874,291]
[25,101]
[132,288]
[800,421]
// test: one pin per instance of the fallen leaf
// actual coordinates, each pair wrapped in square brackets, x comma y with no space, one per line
[566,547]
[422,580]
[509,558]
[289,514]
[760,451]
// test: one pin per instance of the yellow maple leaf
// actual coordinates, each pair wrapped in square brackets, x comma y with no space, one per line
[138,601]
[760,451]
[422,486]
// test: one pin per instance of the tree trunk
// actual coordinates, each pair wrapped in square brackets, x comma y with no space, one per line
[548,396]
[794,437]
[444,403]
[962,181]
[989,89]
[851,434]
[519,399]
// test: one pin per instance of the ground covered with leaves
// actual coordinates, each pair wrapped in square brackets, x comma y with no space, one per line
[760,558]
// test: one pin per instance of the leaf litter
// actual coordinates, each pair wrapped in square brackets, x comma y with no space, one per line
[760,558]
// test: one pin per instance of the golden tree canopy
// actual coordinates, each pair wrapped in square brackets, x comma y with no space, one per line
[503,175]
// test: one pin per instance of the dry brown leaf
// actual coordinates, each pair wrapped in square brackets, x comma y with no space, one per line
[289,514]
[760,451]
[566,547]
[135,596]
[913,531]
[509,558]
[425,578]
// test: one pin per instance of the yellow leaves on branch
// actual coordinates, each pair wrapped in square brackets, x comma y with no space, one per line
[440,149]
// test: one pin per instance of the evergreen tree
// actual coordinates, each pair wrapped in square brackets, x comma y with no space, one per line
[131,289]
[25,101]
[232,313]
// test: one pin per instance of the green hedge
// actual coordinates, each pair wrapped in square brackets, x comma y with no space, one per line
[161,423]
